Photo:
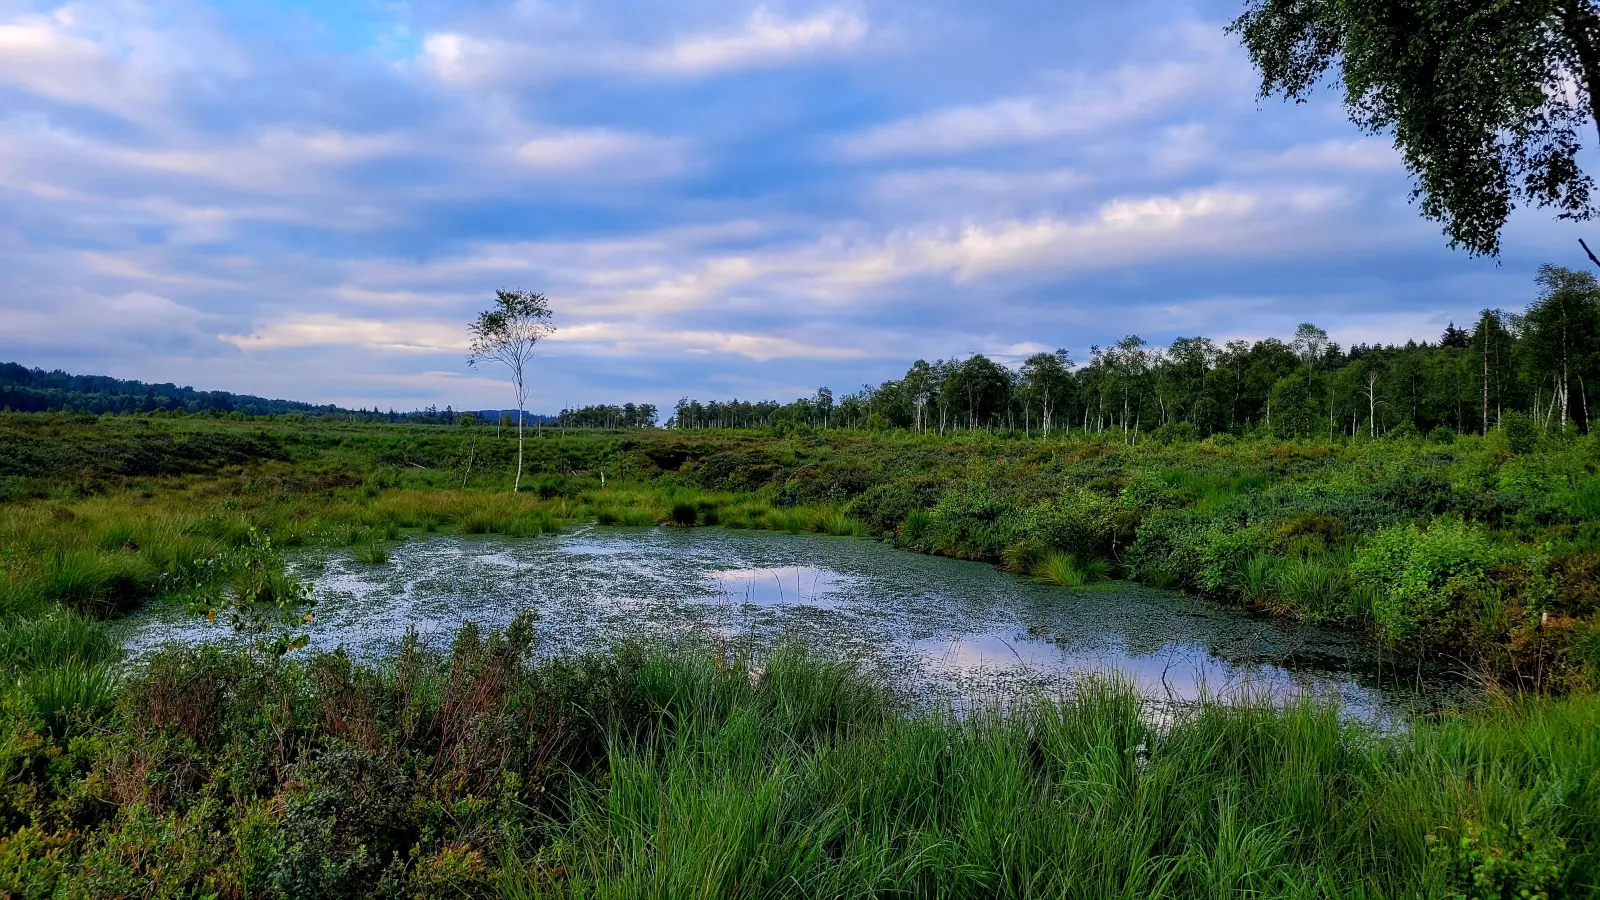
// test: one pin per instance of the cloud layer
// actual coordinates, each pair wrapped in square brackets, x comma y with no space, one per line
[720,197]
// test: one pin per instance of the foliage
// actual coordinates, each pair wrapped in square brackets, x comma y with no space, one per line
[1421,575]
[1476,97]
[485,770]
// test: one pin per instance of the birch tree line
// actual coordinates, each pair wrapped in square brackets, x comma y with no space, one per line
[1540,363]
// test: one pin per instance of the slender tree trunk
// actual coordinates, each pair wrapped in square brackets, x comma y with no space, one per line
[1486,381]
[522,401]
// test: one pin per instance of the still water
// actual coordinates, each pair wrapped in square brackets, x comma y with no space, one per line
[934,627]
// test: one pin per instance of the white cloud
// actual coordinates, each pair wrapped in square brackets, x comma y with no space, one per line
[671,273]
[965,190]
[41,55]
[137,318]
[1358,155]
[334,330]
[616,155]
[629,338]
[1090,104]
[638,338]
[762,41]
[765,41]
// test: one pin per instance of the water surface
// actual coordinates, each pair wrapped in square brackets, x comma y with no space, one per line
[934,627]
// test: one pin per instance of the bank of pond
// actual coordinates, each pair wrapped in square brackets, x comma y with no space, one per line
[661,712]
[476,766]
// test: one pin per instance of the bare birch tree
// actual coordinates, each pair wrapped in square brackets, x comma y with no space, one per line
[507,334]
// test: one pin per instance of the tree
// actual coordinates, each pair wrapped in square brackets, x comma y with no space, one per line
[1047,380]
[1562,329]
[507,334]
[921,386]
[1485,101]
[1310,342]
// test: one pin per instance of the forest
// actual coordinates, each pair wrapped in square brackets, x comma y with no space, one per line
[1537,363]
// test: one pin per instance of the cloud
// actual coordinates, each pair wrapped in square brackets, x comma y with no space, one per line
[601,151]
[134,319]
[607,338]
[312,204]
[628,339]
[1358,155]
[763,41]
[41,55]
[1091,104]
[334,330]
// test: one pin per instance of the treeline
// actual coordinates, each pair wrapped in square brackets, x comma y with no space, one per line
[1537,364]
[628,415]
[24,389]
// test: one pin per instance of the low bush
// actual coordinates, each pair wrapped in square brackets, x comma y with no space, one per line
[1420,574]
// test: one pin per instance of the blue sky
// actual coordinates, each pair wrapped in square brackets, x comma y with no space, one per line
[310,200]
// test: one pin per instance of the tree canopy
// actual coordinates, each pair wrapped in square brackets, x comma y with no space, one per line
[1485,100]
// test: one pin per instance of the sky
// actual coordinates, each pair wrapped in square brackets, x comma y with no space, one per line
[311,200]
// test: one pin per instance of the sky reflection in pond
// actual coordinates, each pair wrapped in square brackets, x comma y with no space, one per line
[936,627]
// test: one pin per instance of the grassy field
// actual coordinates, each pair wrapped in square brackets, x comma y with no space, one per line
[637,774]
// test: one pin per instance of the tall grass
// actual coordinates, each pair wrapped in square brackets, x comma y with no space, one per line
[1069,570]
[1082,798]
[54,639]
[69,694]
[1314,587]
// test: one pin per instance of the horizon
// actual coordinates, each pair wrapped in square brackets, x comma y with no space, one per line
[728,199]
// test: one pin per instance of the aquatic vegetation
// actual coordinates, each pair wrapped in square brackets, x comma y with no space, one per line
[371,552]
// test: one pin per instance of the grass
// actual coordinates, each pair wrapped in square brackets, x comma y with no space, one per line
[67,694]
[688,774]
[1314,587]
[371,553]
[52,640]
[1067,570]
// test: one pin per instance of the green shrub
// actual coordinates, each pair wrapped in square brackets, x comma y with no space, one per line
[1519,433]
[1223,552]
[683,514]
[1442,434]
[1258,579]
[885,506]
[634,517]
[481,522]
[971,521]
[1077,521]
[533,524]
[914,531]
[1419,574]
[1023,556]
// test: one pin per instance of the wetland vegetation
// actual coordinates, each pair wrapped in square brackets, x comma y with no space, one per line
[475,767]
[431,683]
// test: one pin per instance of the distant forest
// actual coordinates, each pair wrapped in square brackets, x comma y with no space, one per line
[1537,364]
[35,390]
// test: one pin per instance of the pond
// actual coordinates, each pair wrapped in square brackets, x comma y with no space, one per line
[934,627]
